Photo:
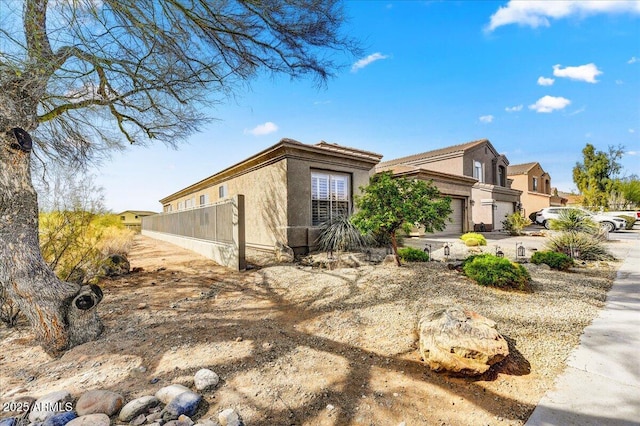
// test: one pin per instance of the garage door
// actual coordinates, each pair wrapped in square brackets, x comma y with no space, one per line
[456,217]
[504,208]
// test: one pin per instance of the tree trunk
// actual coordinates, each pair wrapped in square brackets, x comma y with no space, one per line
[62,314]
[394,246]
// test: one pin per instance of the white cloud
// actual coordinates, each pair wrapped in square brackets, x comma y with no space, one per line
[619,82]
[550,103]
[514,108]
[368,60]
[633,60]
[632,130]
[587,72]
[544,81]
[486,118]
[632,152]
[537,13]
[262,129]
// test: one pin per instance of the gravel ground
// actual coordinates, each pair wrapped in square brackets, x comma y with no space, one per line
[295,345]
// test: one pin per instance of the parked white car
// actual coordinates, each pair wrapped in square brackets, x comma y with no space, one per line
[610,223]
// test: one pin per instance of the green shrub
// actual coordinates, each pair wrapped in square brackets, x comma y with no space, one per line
[630,221]
[587,246]
[515,223]
[481,240]
[490,270]
[339,234]
[410,254]
[471,242]
[555,260]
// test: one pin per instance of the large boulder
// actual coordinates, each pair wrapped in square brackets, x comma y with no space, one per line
[459,341]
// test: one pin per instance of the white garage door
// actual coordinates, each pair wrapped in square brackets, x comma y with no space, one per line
[504,208]
[456,217]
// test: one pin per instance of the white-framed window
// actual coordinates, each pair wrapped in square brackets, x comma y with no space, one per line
[204,199]
[222,191]
[329,196]
[478,171]
[190,203]
[180,205]
[168,207]
[534,184]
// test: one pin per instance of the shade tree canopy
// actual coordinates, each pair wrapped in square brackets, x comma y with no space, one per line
[79,78]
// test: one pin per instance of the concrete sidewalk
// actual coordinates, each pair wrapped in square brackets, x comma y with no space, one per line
[601,384]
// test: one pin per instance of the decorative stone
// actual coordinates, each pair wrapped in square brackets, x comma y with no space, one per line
[19,406]
[99,401]
[186,403]
[138,420]
[205,379]
[460,341]
[136,407]
[181,421]
[207,422]
[11,421]
[167,393]
[98,419]
[49,405]
[229,417]
[60,419]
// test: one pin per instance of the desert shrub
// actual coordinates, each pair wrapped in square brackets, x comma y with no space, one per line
[630,221]
[74,243]
[586,245]
[339,234]
[554,259]
[480,240]
[515,223]
[471,242]
[410,254]
[490,270]
[574,220]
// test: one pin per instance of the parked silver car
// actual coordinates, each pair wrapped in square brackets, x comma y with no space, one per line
[609,223]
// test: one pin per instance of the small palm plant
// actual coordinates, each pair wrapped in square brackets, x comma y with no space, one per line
[339,234]
[573,220]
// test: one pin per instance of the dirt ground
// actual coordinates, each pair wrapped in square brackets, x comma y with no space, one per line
[301,346]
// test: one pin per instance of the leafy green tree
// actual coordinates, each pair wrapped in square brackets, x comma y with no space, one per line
[596,176]
[627,194]
[390,204]
[81,78]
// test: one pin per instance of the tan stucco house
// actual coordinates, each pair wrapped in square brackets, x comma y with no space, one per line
[481,192]
[132,219]
[535,184]
[289,189]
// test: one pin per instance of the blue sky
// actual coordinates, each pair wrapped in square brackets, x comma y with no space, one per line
[539,79]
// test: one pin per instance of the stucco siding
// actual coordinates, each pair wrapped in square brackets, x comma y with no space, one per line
[301,233]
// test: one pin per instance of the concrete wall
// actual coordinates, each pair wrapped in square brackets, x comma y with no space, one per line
[231,254]
[265,201]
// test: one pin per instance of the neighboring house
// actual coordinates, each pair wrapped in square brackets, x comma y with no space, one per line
[492,197]
[132,219]
[535,185]
[572,199]
[289,189]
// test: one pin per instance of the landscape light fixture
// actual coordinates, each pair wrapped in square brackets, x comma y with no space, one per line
[520,250]
[427,249]
[499,252]
[447,250]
